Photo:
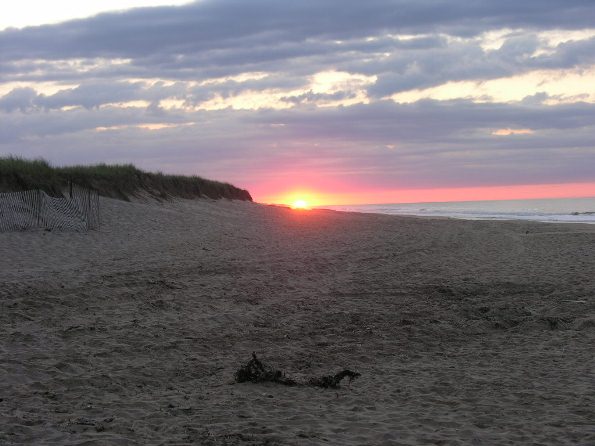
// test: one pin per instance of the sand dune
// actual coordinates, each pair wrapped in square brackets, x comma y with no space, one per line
[464,332]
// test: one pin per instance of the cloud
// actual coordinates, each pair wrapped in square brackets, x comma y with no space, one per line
[509,132]
[559,86]
[436,143]
[18,99]
[217,25]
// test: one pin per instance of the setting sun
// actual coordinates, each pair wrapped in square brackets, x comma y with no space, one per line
[297,198]
[300,204]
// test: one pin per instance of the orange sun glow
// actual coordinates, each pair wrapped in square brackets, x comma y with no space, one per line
[296,199]
[300,204]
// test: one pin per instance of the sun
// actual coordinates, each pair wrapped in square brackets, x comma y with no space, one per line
[298,199]
[300,204]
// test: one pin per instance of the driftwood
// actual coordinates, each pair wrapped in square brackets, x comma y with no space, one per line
[333,381]
[256,371]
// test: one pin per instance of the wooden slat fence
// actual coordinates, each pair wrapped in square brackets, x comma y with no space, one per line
[34,209]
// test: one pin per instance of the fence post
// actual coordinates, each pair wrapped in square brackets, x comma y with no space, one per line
[38,208]
[88,208]
[96,220]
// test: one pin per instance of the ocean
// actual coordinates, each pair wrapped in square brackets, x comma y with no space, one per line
[556,210]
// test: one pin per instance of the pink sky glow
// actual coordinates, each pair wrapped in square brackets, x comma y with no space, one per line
[348,195]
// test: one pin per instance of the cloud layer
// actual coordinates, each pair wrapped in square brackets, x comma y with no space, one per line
[377,94]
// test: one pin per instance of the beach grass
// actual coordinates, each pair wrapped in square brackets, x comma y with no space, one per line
[121,181]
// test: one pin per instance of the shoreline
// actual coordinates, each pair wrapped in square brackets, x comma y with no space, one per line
[463,218]
[463,331]
[569,210]
[451,218]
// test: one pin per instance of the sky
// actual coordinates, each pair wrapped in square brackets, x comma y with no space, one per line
[331,101]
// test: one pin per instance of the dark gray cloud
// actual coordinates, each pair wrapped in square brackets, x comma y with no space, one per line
[91,95]
[219,24]
[22,99]
[399,64]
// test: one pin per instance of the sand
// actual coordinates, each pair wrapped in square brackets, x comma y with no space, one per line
[464,332]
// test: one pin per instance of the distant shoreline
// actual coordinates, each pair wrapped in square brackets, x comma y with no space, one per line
[558,210]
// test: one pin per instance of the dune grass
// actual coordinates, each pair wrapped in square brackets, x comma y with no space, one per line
[121,181]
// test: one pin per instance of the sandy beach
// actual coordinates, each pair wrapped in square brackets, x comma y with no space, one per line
[464,332]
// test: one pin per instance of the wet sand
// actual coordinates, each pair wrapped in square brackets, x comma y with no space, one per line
[464,332]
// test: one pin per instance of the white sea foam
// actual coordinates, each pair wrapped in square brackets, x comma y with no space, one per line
[558,210]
